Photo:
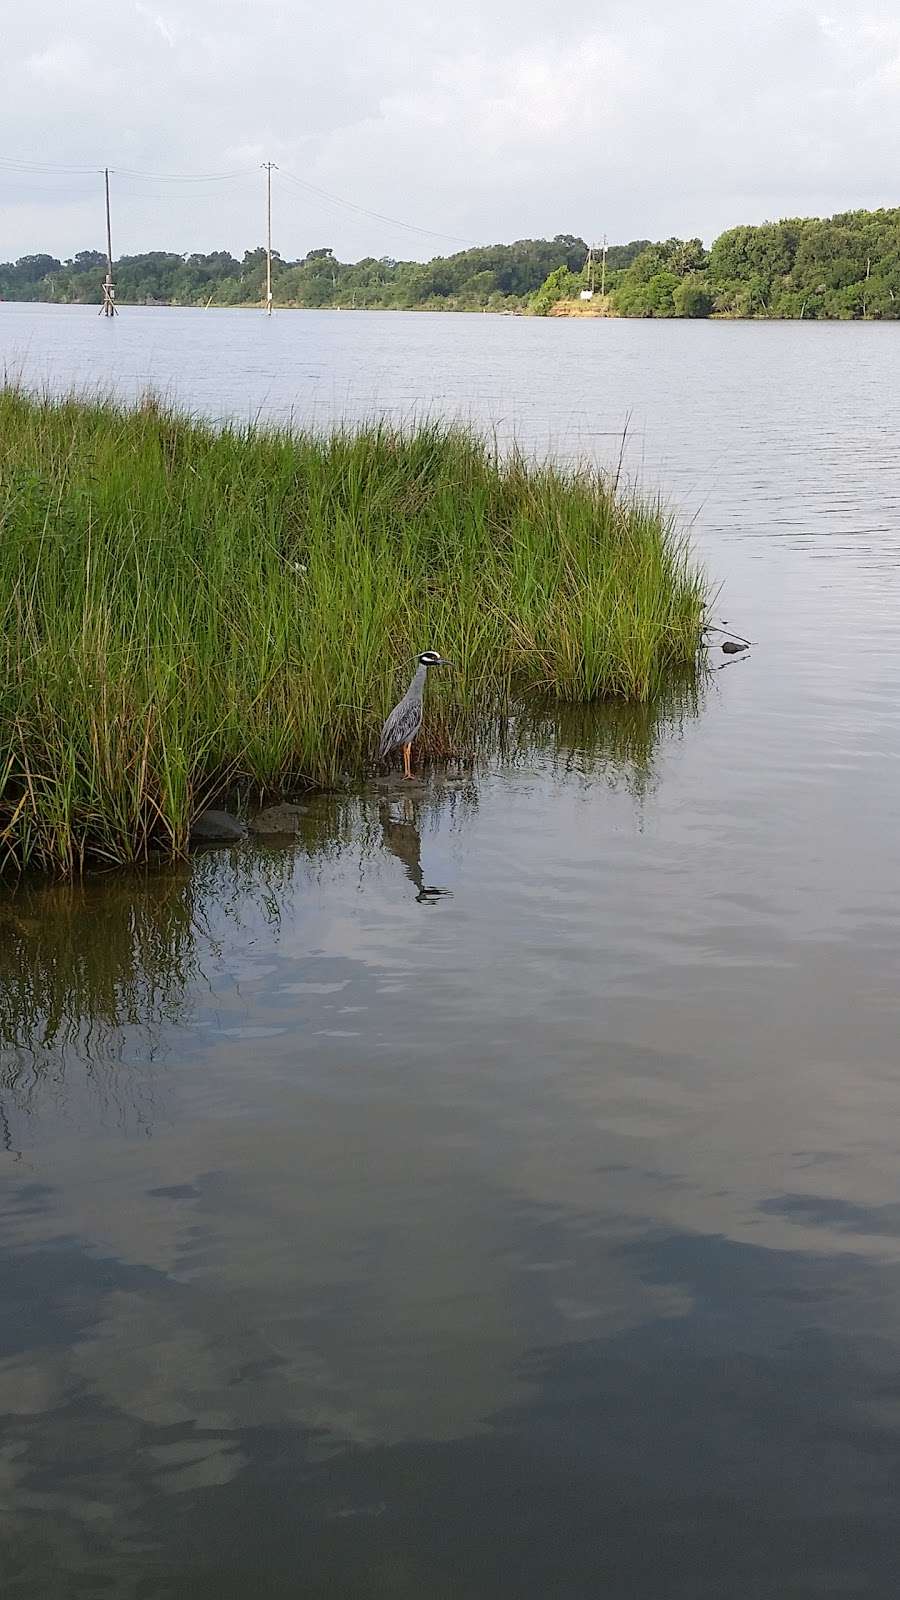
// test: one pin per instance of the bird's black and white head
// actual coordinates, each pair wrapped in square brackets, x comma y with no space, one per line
[431,658]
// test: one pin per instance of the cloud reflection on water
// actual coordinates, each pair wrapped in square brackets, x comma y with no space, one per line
[397,1252]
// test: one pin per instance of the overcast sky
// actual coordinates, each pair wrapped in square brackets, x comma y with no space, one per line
[484,120]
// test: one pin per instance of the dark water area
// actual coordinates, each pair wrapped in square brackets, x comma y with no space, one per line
[493,1192]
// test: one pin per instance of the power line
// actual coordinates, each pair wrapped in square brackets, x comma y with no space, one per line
[184,177]
[379,216]
[14,165]
[10,164]
[134,195]
[40,166]
[27,183]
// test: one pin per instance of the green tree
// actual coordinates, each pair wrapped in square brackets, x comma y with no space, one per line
[558,285]
[846,266]
[692,297]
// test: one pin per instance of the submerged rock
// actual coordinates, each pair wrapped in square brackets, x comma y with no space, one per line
[216,827]
[277,819]
[395,786]
[732,649]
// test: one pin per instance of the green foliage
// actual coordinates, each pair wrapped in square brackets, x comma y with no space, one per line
[654,284]
[564,282]
[558,285]
[692,297]
[182,607]
[502,275]
[845,267]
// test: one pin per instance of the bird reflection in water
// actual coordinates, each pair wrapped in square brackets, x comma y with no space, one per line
[401,837]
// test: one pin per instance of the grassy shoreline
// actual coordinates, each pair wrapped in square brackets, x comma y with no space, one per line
[184,606]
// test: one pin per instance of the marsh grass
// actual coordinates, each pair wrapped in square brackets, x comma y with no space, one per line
[185,606]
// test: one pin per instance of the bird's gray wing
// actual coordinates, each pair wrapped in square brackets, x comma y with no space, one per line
[401,727]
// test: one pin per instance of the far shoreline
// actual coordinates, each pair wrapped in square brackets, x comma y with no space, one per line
[558,312]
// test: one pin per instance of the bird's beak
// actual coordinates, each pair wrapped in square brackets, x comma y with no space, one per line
[444,663]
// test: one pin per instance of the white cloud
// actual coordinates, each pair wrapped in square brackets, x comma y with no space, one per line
[165,29]
[485,122]
[63,64]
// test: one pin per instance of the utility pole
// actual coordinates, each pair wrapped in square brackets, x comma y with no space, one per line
[108,308]
[603,267]
[267,168]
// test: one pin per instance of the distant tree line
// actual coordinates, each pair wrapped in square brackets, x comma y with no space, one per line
[499,277]
[842,267]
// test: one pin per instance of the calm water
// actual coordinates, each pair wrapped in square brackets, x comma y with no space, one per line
[537,1238]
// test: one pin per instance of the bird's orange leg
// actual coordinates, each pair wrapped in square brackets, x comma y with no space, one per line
[407,770]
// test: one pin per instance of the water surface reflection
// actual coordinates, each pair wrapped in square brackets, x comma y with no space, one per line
[540,1237]
[490,1240]
[97,971]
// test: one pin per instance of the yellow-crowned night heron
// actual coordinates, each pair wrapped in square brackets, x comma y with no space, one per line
[405,720]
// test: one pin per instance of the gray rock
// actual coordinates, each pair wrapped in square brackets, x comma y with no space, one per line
[216,827]
[396,787]
[732,649]
[277,819]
